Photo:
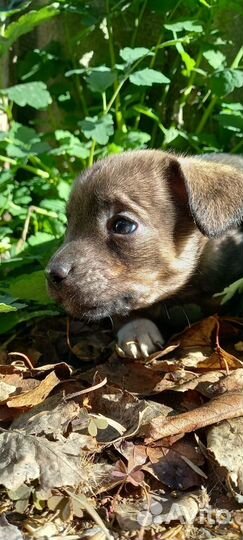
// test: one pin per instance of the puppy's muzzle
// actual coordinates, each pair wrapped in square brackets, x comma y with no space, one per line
[83,285]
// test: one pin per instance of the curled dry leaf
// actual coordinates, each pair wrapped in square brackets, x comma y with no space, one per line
[225,442]
[36,395]
[220,408]
[196,346]
[220,359]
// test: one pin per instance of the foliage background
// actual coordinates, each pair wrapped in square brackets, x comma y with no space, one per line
[81,80]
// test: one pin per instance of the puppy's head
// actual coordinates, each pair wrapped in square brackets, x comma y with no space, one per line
[132,238]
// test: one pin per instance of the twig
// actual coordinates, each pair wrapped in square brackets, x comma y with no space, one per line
[86,390]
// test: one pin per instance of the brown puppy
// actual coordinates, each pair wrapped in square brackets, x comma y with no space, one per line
[147,226]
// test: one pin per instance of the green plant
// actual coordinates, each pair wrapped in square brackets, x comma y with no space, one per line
[74,101]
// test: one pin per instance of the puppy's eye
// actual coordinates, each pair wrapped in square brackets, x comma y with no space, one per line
[122,225]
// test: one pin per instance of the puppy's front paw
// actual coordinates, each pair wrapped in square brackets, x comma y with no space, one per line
[139,338]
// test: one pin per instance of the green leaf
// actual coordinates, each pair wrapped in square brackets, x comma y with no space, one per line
[5,308]
[98,129]
[133,139]
[100,79]
[223,82]
[10,320]
[34,94]
[31,287]
[130,55]
[26,23]
[232,107]
[171,134]
[231,121]
[148,77]
[55,205]
[23,141]
[63,189]
[9,301]
[188,26]
[69,144]
[40,238]
[216,59]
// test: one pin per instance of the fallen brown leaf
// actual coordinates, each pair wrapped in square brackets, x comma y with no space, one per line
[225,441]
[177,466]
[133,376]
[25,457]
[50,417]
[228,383]
[8,531]
[37,395]
[220,359]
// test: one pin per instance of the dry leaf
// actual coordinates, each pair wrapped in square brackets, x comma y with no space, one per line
[24,458]
[50,417]
[159,510]
[177,466]
[6,390]
[62,506]
[37,395]
[229,383]
[226,443]
[95,533]
[8,531]
[220,359]
[200,382]
[133,376]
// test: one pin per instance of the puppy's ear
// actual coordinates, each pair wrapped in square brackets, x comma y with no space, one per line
[213,191]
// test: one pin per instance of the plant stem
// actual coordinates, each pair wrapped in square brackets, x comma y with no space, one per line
[206,114]
[237,59]
[32,210]
[237,147]
[38,172]
[104,101]
[119,117]
[78,86]
[91,155]
[138,22]
[36,160]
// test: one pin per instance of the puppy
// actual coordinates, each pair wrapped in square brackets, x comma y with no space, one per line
[148,227]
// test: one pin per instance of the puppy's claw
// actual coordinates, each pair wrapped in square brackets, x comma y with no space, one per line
[119,351]
[144,349]
[133,350]
[138,339]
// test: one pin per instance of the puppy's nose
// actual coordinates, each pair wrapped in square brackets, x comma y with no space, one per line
[56,272]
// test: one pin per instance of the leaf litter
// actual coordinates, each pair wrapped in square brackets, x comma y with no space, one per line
[97,446]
